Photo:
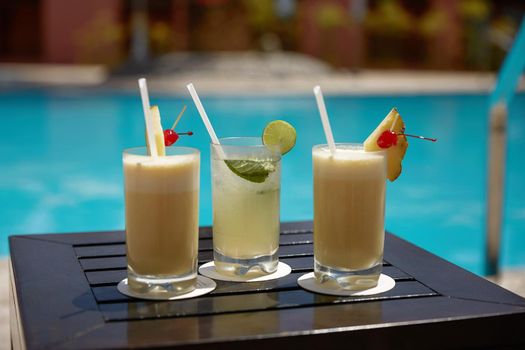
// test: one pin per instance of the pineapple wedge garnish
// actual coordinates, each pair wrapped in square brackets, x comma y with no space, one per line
[395,153]
[158,132]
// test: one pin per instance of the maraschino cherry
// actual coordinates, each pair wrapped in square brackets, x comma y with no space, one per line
[388,138]
[170,136]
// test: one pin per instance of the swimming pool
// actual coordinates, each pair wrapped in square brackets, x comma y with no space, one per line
[61,161]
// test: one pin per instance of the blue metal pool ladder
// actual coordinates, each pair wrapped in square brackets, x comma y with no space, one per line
[508,79]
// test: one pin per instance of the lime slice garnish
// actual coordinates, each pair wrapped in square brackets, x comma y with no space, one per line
[279,136]
[251,170]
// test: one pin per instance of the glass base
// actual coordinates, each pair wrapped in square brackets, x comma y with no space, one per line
[261,265]
[347,279]
[165,286]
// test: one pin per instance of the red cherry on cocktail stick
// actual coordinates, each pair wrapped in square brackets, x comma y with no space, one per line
[170,136]
[389,138]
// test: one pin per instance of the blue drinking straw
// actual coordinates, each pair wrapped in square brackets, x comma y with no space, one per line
[511,70]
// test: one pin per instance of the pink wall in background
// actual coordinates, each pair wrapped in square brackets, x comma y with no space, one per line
[66,25]
[181,23]
[446,48]
[342,44]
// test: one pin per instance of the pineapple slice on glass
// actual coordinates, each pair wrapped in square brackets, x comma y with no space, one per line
[157,130]
[395,153]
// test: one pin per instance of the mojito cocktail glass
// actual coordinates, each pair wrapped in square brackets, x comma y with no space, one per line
[246,178]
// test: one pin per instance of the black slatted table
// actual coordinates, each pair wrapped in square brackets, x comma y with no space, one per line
[64,296]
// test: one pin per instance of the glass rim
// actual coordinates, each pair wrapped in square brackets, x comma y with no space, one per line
[351,146]
[253,144]
[224,141]
[141,151]
[357,144]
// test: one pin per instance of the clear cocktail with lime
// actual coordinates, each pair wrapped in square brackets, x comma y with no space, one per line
[246,196]
[246,179]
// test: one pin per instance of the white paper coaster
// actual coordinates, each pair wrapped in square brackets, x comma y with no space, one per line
[208,270]
[308,282]
[204,286]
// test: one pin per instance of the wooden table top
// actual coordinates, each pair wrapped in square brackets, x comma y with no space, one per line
[64,296]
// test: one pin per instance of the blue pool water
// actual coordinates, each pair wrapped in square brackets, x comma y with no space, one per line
[61,161]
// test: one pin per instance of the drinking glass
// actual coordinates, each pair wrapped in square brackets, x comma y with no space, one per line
[246,178]
[162,220]
[349,212]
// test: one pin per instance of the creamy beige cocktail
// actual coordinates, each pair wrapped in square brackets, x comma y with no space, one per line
[162,219]
[349,209]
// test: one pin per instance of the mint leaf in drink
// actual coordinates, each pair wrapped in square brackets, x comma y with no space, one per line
[252,170]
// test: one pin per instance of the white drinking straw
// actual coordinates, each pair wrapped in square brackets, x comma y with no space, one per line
[149,126]
[203,114]
[324,119]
